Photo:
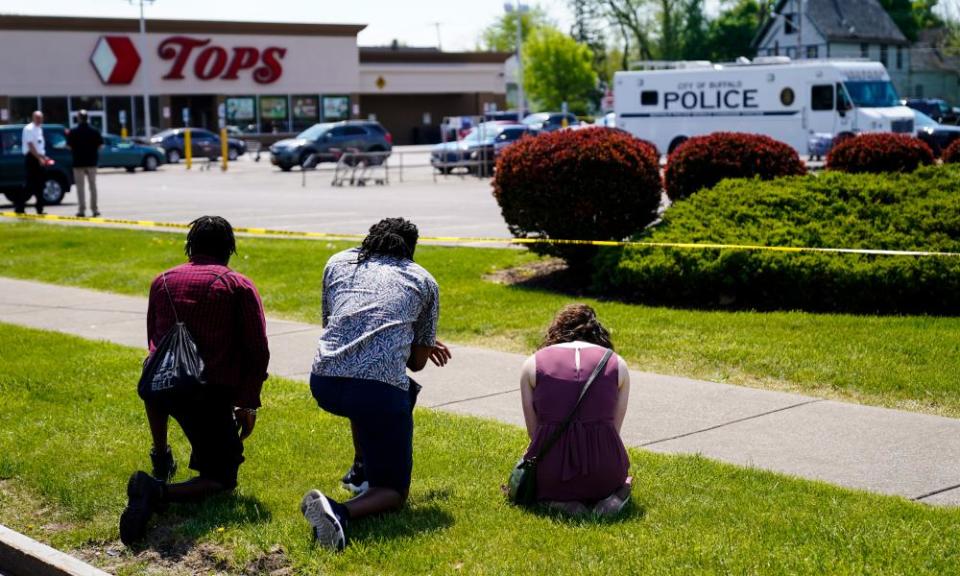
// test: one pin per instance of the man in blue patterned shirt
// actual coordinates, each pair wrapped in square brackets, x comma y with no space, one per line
[380,312]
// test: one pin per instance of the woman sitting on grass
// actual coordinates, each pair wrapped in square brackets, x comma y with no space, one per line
[586,469]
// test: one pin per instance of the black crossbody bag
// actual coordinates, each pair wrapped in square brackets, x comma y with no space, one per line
[522,485]
[174,372]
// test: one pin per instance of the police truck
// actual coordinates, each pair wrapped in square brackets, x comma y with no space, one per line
[795,102]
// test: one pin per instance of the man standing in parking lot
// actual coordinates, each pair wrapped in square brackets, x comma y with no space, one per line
[85,143]
[34,161]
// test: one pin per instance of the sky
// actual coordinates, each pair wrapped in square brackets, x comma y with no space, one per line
[409,21]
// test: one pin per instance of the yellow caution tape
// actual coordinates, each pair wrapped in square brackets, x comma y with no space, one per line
[483,240]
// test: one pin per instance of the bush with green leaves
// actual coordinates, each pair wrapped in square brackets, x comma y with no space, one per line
[918,211]
[589,184]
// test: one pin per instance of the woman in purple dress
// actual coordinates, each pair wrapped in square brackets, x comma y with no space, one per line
[586,470]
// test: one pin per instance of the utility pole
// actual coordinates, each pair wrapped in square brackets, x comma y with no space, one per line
[439,42]
[519,11]
[145,77]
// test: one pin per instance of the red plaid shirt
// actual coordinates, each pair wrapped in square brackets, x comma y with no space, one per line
[225,318]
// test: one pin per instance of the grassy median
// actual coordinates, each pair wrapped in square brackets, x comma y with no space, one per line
[72,430]
[910,362]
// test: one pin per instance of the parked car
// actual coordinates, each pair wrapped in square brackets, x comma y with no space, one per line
[479,148]
[938,136]
[125,153]
[935,108]
[550,121]
[59,176]
[326,141]
[203,143]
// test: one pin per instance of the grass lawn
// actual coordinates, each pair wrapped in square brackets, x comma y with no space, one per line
[72,430]
[908,362]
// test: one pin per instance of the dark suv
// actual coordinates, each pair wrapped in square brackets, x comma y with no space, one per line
[203,143]
[326,140]
[59,176]
[935,108]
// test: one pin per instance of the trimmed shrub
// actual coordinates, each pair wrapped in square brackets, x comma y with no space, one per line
[703,161]
[952,153]
[916,211]
[879,153]
[590,184]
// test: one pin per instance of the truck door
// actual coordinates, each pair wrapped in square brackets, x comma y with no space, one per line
[822,114]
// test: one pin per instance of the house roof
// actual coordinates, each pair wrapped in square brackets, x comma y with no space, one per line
[427,55]
[929,55]
[844,20]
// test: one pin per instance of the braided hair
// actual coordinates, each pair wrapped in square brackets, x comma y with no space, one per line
[393,237]
[577,322]
[211,236]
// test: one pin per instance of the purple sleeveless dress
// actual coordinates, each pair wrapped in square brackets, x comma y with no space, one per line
[589,461]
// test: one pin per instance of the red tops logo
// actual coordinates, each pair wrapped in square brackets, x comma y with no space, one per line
[115,59]
[213,61]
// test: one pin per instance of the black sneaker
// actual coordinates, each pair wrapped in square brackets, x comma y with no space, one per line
[144,494]
[164,465]
[355,480]
[327,526]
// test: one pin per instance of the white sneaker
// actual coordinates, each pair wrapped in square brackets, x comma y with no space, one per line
[327,529]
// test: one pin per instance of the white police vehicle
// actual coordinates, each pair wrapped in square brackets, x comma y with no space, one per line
[791,101]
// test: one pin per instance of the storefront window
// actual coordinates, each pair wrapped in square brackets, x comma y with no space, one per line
[21,109]
[242,113]
[137,122]
[306,112]
[88,103]
[54,109]
[115,106]
[273,114]
[336,108]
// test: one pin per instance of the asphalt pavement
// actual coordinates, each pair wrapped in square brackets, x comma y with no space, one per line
[894,452]
[257,194]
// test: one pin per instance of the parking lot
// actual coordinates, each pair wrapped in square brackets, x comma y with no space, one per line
[258,194]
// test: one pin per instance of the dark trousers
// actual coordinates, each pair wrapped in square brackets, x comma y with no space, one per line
[35,178]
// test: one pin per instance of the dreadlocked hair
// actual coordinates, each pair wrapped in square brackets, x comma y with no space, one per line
[211,236]
[394,237]
[577,322]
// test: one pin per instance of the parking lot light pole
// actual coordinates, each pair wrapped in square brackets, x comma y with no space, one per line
[520,10]
[146,68]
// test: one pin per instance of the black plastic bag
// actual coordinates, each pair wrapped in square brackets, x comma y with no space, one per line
[174,372]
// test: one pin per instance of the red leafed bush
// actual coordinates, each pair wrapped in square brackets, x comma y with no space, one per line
[590,184]
[952,154]
[703,161]
[880,152]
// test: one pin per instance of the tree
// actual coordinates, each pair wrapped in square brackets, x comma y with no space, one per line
[695,41]
[586,29]
[501,36]
[731,33]
[556,69]
[670,18]
[901,11]
[630,16]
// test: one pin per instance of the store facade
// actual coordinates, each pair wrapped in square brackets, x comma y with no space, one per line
[267,79]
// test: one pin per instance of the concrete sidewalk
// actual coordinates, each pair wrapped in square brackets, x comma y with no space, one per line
[888,451]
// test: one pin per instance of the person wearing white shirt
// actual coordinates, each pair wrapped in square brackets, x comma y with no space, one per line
[34,161]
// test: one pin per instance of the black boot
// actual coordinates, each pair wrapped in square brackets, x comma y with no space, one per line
[144,496]
[164,465]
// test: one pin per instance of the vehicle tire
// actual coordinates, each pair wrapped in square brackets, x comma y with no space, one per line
[130,169]
[445,170]
[232,154]
[173,156]
[675,143]
[150,163]
[54,189]
[286,167]
[378,160]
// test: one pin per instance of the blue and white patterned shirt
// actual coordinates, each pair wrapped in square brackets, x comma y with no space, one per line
[373,313]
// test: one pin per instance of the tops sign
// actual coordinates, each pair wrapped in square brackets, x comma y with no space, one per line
[116,60]
[210,61]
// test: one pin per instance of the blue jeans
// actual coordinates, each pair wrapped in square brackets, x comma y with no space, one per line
[382,418]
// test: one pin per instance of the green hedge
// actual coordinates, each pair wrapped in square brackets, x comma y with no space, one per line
[917,211]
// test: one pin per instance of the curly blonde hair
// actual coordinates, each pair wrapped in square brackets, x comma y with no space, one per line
[577,322]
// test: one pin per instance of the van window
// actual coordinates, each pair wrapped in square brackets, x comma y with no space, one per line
[649,98]
[821,97]
[10,142]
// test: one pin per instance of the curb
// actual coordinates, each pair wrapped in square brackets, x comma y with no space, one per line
[23,556]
